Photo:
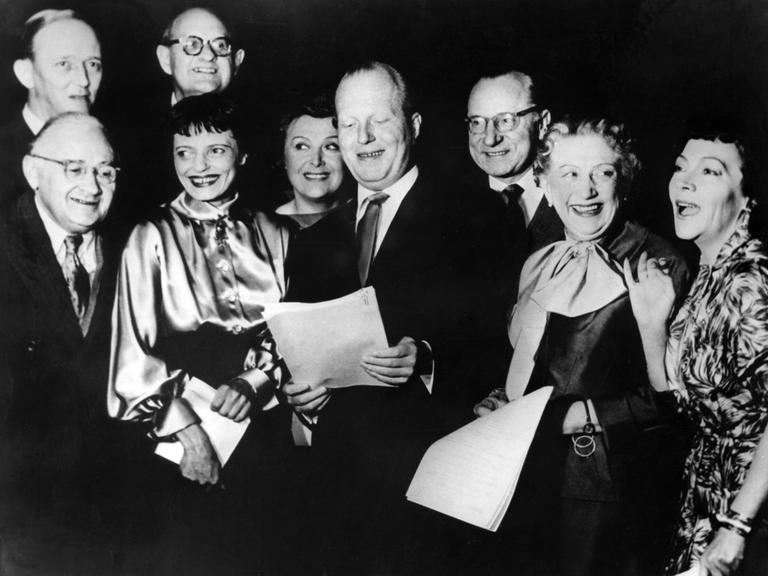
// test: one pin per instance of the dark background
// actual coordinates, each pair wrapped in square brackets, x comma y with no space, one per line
[651,63]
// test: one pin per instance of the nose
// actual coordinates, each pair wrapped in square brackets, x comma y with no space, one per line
[80,75]
[365,133]
[207,53]
[90,183]
[201,163]
[317,158]
[491,137]
[588,189]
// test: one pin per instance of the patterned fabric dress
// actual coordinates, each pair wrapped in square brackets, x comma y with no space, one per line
[717,365]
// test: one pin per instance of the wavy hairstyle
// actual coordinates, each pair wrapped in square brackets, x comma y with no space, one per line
[614,134]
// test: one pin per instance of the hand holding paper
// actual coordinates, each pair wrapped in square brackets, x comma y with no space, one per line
[323,343]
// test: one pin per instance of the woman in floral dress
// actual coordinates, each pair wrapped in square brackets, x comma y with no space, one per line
[714,358]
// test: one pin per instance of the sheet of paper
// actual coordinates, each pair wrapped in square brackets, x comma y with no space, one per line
[225,434]
[322,343]
[472,473]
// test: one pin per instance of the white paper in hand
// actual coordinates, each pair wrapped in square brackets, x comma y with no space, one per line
[224,434]
[472,473]
[322,343]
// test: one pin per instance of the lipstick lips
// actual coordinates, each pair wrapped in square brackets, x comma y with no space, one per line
[203,181]
[684,209]
[316,175]
[587,209]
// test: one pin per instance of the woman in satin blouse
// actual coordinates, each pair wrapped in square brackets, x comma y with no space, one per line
[191,289]
[579,506]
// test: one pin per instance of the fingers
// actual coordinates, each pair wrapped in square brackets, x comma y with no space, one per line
[388,362]
[303,395]
[314,405]
[488,405]
[628,276]
[230,403]
[218,397]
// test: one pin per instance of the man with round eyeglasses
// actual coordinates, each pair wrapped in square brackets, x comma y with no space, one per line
[197,53]
[57,274]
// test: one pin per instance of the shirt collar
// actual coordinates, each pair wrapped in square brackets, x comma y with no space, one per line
[526,181]
[398,190]
[57,234]
[185,204]
[33,122]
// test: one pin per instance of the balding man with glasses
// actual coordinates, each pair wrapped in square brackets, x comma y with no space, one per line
[58,447]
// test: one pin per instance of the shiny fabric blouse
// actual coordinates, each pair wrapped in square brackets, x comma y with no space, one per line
[191,288]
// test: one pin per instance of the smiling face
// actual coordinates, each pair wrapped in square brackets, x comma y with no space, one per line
[77,205]
[206,164]
[206,72]
[313,161]
[375,136]
[581,183]
[64,72]
[504,155]
[706,194]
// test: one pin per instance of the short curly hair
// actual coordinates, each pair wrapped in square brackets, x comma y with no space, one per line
[614,134]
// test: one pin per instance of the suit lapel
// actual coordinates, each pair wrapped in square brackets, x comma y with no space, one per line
[31,253]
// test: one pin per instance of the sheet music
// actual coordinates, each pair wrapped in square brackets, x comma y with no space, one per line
[472,473]
[322,343]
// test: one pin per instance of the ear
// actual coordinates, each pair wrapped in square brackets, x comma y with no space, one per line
[545,119]
[22,68]
[243,159]
[164,58]
[30,172]
[416,124]
[238,59]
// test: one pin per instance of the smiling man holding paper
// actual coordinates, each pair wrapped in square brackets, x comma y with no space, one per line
[395,238]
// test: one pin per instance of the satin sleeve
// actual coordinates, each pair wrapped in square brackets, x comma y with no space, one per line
[141,386]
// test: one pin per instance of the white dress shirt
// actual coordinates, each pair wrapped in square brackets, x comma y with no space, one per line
[87,251]
[530,198]
[33,122]
[389,208]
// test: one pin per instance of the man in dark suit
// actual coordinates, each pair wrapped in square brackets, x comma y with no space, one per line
[56,288]
[60,65]
[399,238]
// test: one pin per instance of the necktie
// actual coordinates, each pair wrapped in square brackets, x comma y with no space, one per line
[76,276]
[515,216]
[366,234]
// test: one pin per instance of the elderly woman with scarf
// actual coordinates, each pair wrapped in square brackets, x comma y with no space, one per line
[582,507]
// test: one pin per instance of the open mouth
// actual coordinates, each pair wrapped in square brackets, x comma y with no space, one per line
[496,153]
[587,209]
[203,181]
[370,155]
[316,175]
[205,70]
[84,202]
[684,209]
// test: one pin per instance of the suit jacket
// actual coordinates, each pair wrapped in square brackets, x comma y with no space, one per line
[52,378]
[15,137]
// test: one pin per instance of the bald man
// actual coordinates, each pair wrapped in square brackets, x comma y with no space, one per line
[56,291]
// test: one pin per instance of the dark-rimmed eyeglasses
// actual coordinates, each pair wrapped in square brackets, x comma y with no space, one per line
[75,170]
[503,122]
[193,45]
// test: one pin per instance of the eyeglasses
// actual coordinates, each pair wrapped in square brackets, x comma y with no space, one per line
[601,174]
[193,45]
[504,122]
[77,169]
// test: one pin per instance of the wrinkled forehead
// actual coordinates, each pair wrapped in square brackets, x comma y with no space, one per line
[491,96]
[74,140]
[66,37]
[198,22]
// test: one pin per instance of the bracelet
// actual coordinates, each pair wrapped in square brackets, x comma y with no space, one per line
[733,515]
[584,444]
[723,521]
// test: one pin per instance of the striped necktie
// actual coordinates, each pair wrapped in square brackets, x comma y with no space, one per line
[75,274]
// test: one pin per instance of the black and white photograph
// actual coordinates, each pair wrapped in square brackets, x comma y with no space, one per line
[384,288]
